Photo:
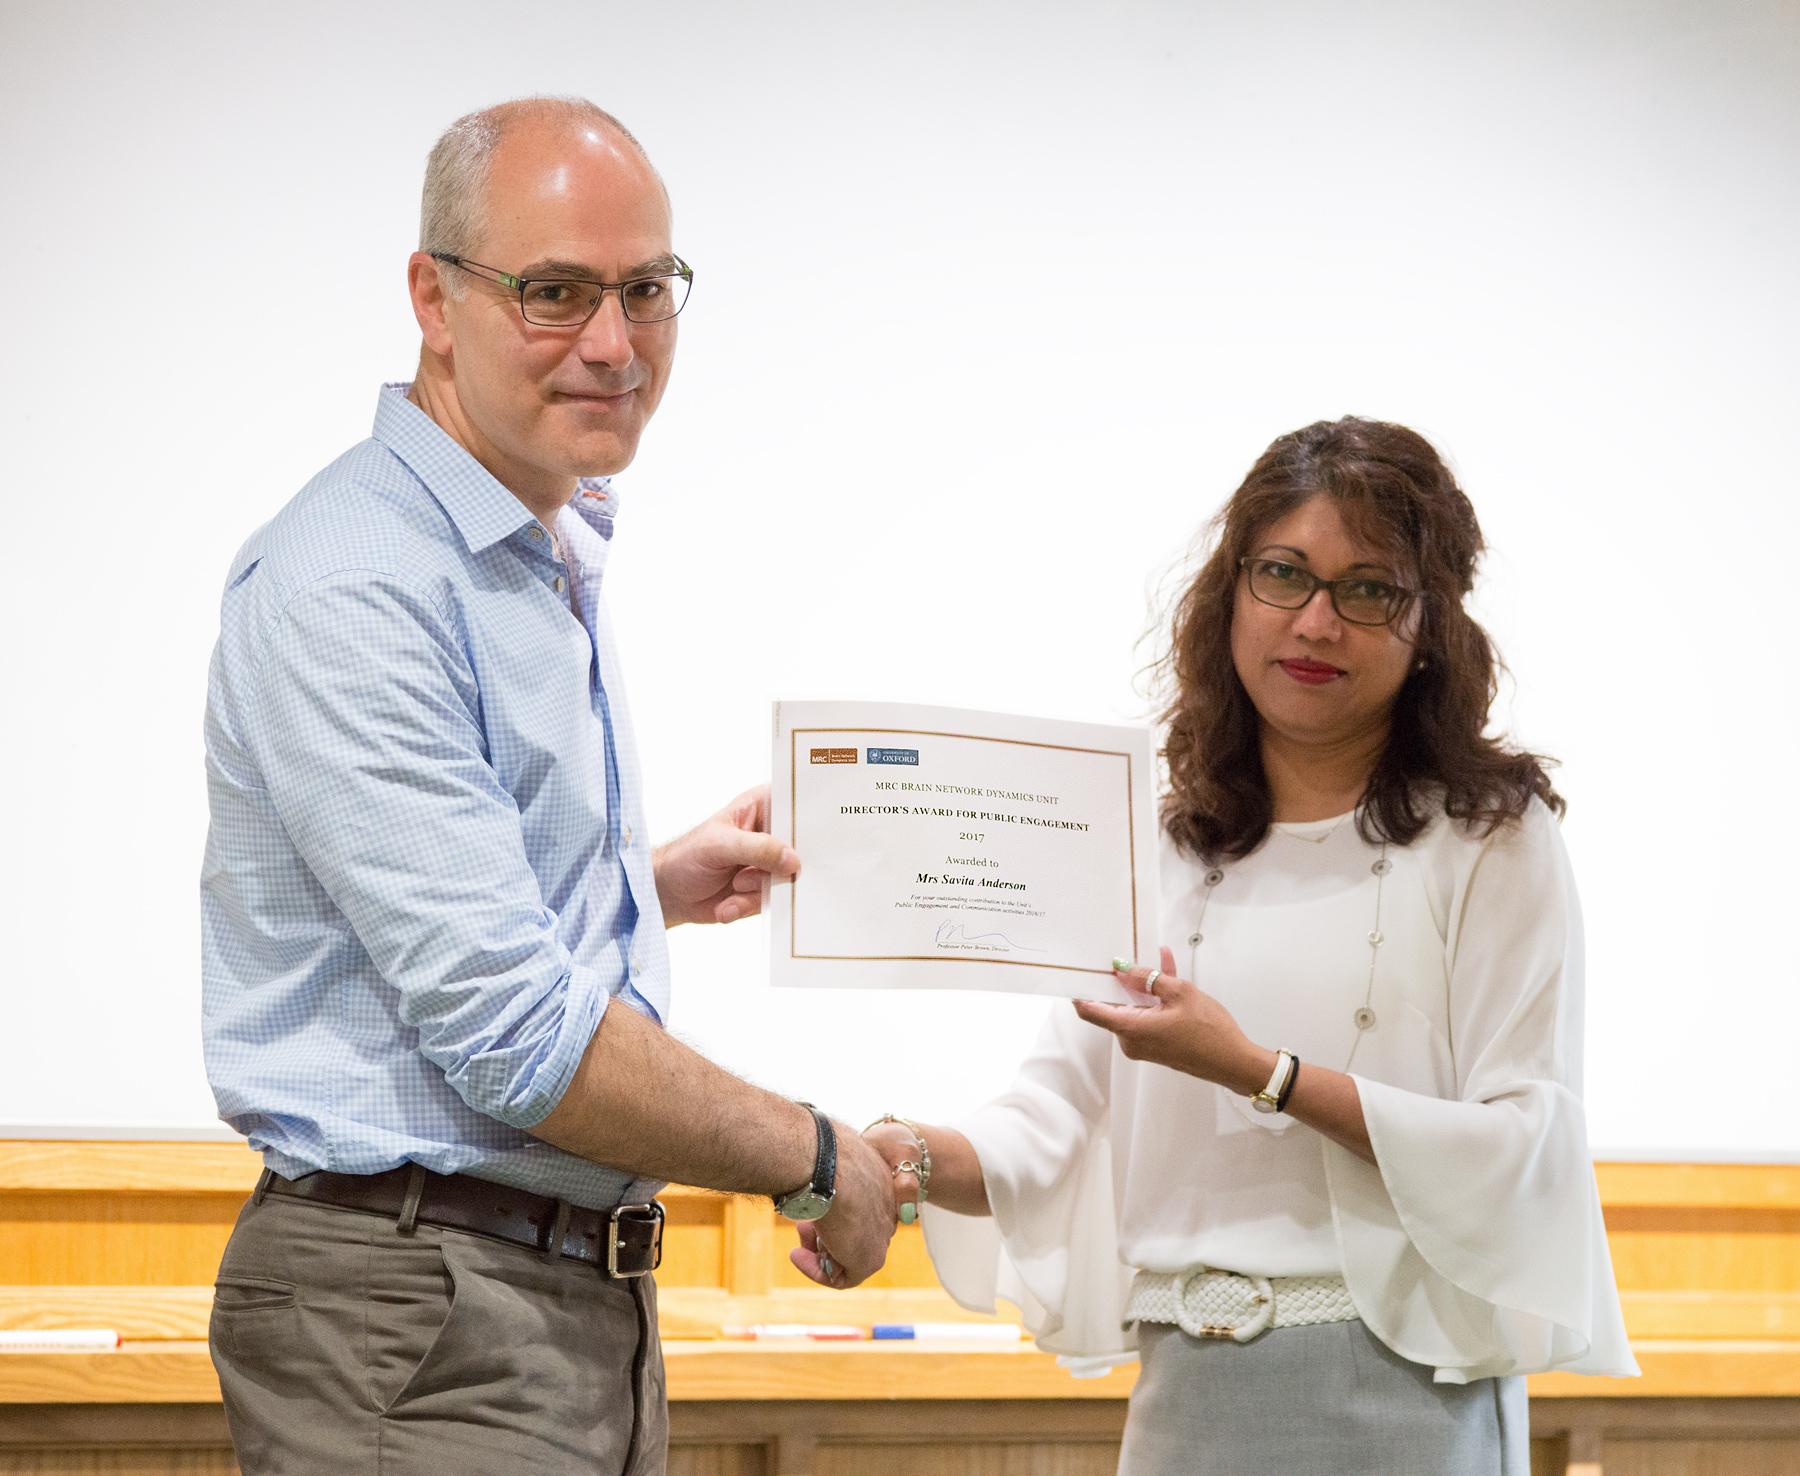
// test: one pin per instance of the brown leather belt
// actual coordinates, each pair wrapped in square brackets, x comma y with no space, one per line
[622,1242]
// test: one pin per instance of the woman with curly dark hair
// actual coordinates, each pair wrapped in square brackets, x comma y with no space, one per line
[1335,1192]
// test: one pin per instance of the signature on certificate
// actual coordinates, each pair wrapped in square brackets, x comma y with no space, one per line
[950,934]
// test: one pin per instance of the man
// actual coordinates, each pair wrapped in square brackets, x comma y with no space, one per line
[435,970]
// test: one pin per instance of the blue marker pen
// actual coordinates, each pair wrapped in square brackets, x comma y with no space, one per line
[954,1332]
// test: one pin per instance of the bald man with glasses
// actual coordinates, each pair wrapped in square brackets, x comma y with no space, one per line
[433,926]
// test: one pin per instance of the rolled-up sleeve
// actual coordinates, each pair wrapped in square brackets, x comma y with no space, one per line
[367,730]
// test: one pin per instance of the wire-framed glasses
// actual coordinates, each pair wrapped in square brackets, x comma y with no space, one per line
[568,302]
[1360,600]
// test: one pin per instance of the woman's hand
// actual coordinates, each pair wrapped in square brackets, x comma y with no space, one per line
[896,1146]
[957,1182]
[1186,1030]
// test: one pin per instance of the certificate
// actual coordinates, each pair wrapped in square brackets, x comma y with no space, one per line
[946,849]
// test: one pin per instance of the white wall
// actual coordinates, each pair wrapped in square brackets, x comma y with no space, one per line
[1558,239]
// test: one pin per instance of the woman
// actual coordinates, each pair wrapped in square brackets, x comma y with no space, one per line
[1334,1188]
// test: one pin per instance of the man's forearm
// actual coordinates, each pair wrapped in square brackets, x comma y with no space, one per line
[642,1101]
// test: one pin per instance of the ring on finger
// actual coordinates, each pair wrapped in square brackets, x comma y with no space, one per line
[828,1266]
[1150,981]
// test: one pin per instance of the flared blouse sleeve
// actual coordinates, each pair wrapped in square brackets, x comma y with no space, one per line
[1051,1246]
[1475,1243]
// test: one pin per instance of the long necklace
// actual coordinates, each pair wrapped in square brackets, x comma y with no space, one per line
[1364,1016]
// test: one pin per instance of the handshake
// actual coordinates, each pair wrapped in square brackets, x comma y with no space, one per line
[883,1178]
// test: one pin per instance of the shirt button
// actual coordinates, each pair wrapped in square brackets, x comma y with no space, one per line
[536,532]
[557,583]
[626,837]
[637,966]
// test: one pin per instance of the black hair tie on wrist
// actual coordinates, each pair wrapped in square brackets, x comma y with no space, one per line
[1287,1087]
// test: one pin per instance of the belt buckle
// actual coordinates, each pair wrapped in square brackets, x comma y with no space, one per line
[654,1214]
[1259,1293]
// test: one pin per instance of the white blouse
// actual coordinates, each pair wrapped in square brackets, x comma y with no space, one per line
[1476,1246]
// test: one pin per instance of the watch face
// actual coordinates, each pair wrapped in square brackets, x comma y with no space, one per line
[804,1204]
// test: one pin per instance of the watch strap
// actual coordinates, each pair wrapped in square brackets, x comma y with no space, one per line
[824,1174]
[824,1177]
[1274,1096]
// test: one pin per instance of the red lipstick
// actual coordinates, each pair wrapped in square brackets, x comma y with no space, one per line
[1312,673]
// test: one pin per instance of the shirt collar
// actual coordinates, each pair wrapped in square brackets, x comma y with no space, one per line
[481,507]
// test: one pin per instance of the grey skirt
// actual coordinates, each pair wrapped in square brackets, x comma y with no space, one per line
[1313,1401]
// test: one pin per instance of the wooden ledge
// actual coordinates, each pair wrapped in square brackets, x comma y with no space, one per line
[181,1372]
[76,1165]
[1699,1186]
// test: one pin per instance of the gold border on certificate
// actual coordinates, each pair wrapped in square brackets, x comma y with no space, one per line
[794,841]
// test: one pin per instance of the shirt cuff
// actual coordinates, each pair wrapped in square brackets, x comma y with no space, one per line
[521,1077]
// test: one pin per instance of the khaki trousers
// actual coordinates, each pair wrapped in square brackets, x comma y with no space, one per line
[344,1346]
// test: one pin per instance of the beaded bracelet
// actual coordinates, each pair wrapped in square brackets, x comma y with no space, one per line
[910,1212]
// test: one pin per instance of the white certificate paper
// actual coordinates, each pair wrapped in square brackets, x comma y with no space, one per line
[947,849]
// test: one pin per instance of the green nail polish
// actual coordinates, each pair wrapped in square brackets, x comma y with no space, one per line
[1120,966]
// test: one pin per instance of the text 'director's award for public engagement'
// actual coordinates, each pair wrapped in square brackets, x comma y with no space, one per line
[945,849]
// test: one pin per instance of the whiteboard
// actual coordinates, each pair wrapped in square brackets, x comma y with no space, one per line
[1558,240]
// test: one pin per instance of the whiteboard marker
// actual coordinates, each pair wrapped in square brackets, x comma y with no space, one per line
[58,1340]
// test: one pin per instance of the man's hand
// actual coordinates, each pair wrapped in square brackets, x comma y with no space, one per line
[715,873]
[850,1244]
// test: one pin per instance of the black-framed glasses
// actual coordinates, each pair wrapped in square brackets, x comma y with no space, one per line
[1359,600]
[568,302]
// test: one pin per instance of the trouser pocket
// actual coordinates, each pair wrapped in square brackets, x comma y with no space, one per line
[253,1316]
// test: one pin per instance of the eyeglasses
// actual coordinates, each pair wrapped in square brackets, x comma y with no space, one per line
[568,302]
[1360,601]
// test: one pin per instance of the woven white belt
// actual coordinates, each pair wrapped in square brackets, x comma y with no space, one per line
[1205,1303]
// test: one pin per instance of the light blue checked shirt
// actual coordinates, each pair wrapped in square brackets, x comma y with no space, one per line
[427,872]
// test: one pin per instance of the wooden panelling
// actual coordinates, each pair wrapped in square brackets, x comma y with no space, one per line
[810,1438]
[1712,1456]
[748,1265]
[138,1373]
[128,1235]
[62,1166]
[126,1461]
[1688,1249]
[719,1460]
[1713,1314]
[1681,1368]
[122,1238]
[694,1239]
[961,1459]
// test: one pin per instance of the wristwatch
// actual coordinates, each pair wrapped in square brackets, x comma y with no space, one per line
[811,1200]
[1273,1097]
